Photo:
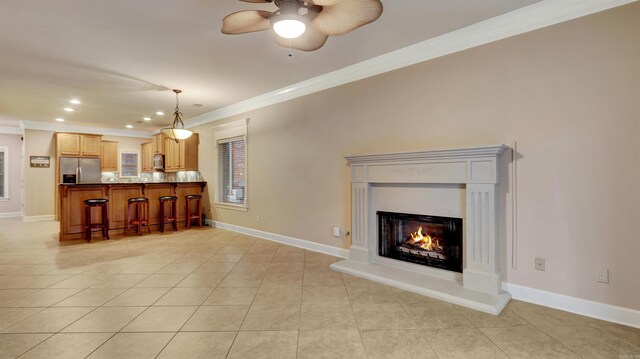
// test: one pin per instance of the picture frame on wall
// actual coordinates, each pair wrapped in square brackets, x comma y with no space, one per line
[40,161]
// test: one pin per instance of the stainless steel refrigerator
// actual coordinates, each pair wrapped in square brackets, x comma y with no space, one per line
[80,170]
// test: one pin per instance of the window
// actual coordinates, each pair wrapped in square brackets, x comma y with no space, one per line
[4,173]
[231,157]
[129,163]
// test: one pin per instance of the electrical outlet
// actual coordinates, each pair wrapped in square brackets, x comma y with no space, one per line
[336,232]
[257,218]
[603,276]
[540,264]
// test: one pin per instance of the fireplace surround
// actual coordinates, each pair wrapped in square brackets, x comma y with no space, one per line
[459,182]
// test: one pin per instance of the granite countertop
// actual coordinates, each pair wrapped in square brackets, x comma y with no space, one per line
[127,183]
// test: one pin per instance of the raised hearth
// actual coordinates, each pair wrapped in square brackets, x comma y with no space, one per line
[451,186]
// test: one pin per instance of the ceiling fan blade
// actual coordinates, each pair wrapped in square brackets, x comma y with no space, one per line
[346,15]
[242,22]
[309,41]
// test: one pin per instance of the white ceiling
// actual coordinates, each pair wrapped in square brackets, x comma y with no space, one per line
[122,57]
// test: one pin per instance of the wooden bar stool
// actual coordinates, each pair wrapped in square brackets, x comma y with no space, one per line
[142,214]
[104,223]
[198,215]
[173,218]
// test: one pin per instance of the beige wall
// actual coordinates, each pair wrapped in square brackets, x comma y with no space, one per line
[39,193]
[569,94]
[14,145]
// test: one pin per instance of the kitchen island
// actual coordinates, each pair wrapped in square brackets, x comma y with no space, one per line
[72,206]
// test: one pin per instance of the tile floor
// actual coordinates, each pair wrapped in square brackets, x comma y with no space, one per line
[209,293]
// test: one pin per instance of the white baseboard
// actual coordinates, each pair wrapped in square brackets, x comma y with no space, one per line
[46,217]
[296,242]
[610,313]
[10,214]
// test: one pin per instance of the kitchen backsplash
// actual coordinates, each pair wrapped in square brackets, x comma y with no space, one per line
[180,176]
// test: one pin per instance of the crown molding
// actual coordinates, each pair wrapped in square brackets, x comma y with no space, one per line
[536,16]
[9,130]
[61,127]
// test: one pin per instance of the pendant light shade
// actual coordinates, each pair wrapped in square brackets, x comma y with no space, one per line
[177,131]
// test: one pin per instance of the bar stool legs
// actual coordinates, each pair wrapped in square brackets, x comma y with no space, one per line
[173,218]
[142,214]
[190,216]
[104,220]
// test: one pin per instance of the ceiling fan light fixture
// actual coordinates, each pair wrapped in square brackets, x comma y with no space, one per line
[287,22]
[177,131]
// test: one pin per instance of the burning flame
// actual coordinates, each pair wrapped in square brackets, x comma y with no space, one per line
[424,241]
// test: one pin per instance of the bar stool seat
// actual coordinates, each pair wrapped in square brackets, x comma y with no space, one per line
[173,218]
[101,203]
[142,214]
[197,216]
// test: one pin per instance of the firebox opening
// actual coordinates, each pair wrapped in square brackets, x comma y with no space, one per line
[428,240]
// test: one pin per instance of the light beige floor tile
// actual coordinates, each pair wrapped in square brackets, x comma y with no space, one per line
[202,280]
[484,320]
[67,346]
[335,295]
[382,316]
[132,346]
[264,345]
[44,298]
[226,257]
[591,342]
[11,316]
[216,318]
[81,281]
[91,297]
[257,257]
[30,281]
[9,295]
[396,344]
[7,269]
[285,272]
[161,319]
[322,278]
[311,256]
[626,334]
[212,345]
[462,343]
[49,320]
[289,254]
[242,279]
[143,268]
[527,342]
[13,345]
[250,267]
[232,296]
[164,280]
[105,319]
[184,296]
[543,316]
[138,297]
[121,281]
[437,315]
[185,268]
[325,316]
[373,293]
[272,317]
[278,294]
[215,267]
[330,344]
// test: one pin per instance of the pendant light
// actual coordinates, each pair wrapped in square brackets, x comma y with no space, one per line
[177,131]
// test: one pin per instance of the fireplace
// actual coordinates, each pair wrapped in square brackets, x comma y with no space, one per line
[427,240]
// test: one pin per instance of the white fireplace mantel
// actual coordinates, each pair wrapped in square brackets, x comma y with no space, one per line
[473,168]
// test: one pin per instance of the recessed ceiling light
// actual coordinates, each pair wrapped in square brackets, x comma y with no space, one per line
[60,119]
[75,101]
[129,126]
[160,113]
[68,109]
[147,118]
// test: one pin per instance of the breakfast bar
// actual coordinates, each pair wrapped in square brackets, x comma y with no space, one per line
[72,197]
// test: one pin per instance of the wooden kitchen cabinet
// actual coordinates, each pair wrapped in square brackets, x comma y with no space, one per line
[158,144]
[181,156]
[109,156]
[76,144]
[147,157]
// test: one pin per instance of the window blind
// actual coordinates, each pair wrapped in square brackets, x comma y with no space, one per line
[231,164]
[2,174]
[129,165]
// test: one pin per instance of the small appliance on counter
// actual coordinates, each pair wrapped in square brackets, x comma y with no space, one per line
[158,162]
[80,170]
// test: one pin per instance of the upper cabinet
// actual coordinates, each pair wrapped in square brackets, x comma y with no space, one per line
[147,156]
[81,145]
[109,156]
[157,146]
[181,156]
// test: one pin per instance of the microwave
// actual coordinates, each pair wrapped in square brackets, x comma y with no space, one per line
[158,162]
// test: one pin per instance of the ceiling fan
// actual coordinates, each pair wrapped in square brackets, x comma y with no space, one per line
[304,24]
